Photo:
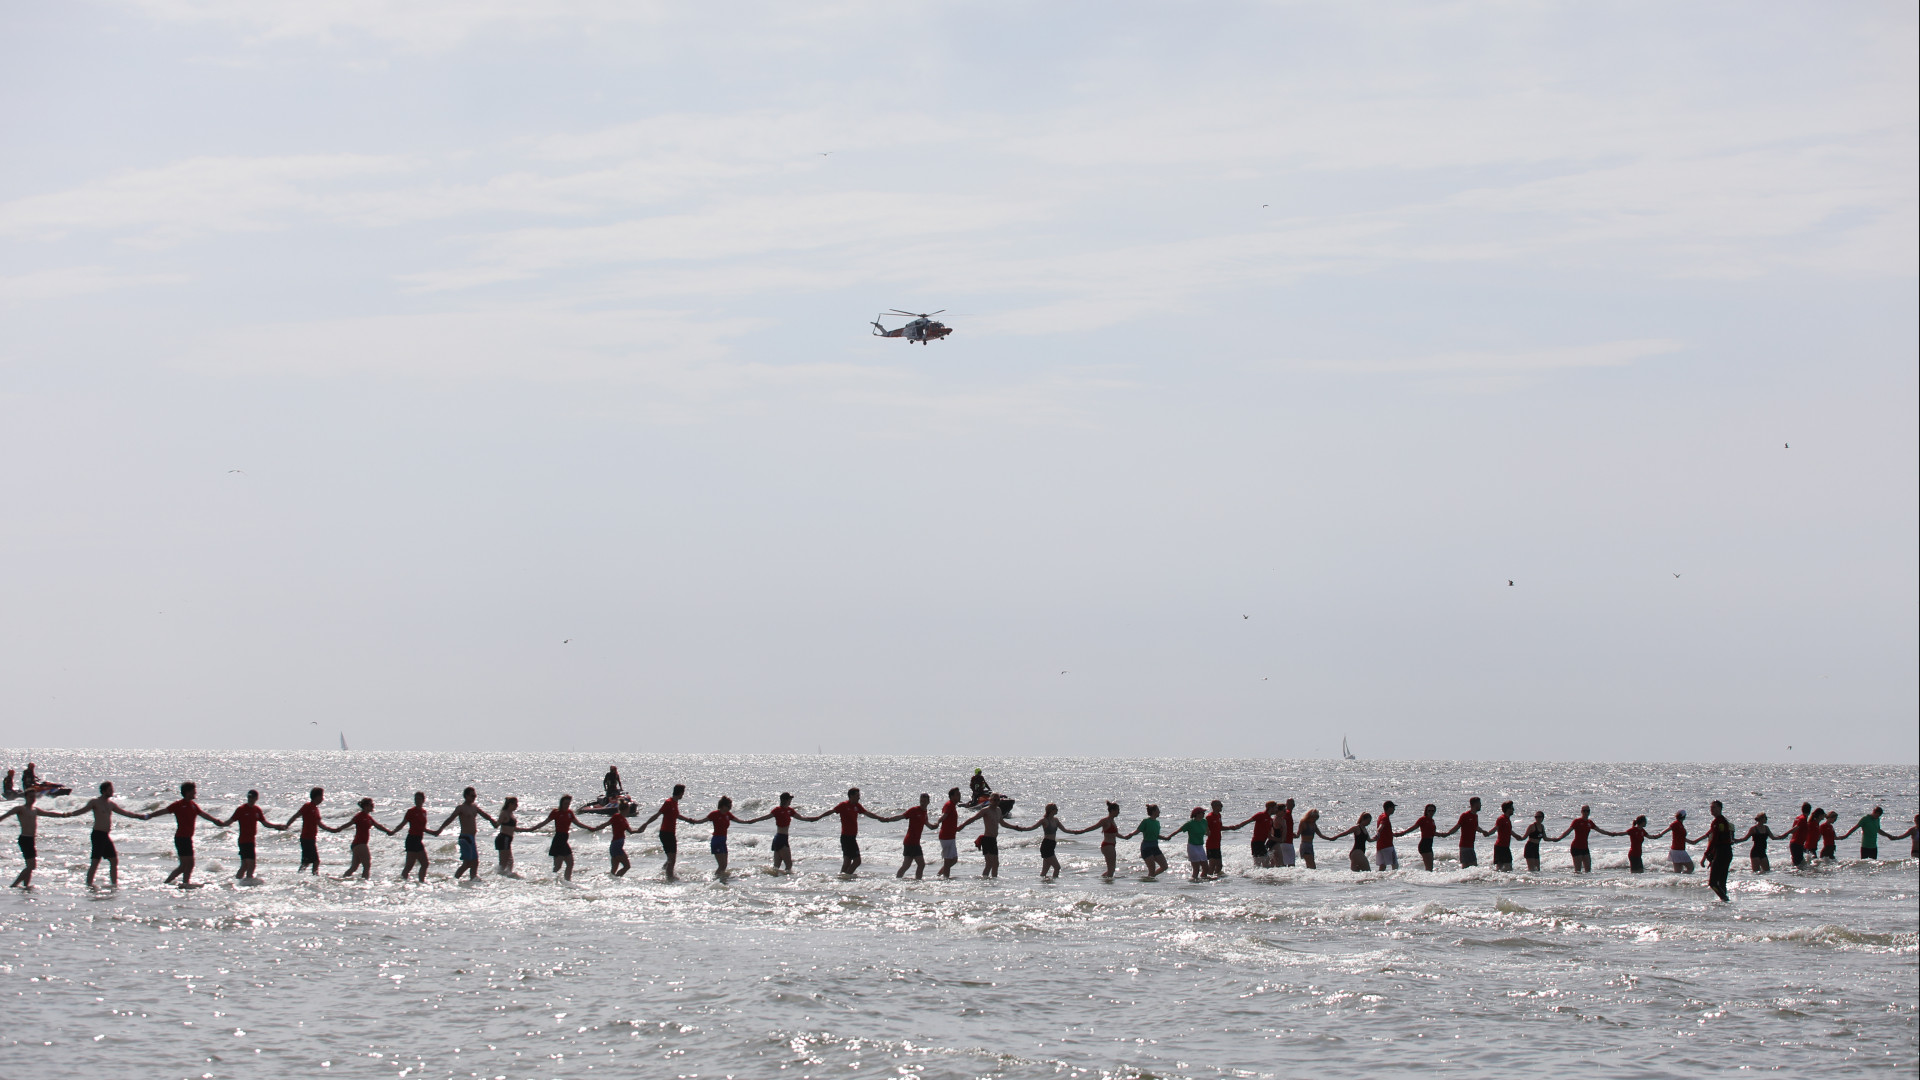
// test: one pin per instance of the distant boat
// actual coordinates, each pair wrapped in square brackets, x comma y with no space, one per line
[343,741]
[1345,754]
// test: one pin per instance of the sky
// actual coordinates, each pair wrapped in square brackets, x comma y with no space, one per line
[1486,380]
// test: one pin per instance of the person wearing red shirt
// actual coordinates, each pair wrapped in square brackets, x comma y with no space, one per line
[1470,831]
[1215,825]
[1503,838]
[363,826]
[1636,835]
[1428,829]
[1283,835]
[850,810]
[1797,836]
[1829,843]
[186,814]
[415,820]
[783,817]
[910,851]
[250,817]
[721,819]
[562,818]
[949,833]
[1579,827]
[1384,856]
[1262,823]
[1677,855]
[669,831]
[620,823]
[310,825]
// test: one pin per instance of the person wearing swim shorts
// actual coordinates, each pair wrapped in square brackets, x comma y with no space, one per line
[1470,832]
[1195,827]
[1283,833]
[250,817]
[949,833]
[1829,844]
[1759,832]
[1049,826]
[989,817]
[1110,837]
[562,819]
[783,817]
[1719,853]
[1357,858]
[1262,823]
[910,851]
[1913,831]
[1215,825]
[1309,830]
[103,808]
[1384,857]
[505,824]
[1503,839]
[29,814]
[668,834]
[721,819]
[1797,835]
[363,825]
[1535,834]
[850,811]
[310,825]
[1428,829]
[1636,835]
[1870,833]
[1579,827]
[186,814]
[1149,833]
[1677,854]
[468,814]
[415,821]
[620,825]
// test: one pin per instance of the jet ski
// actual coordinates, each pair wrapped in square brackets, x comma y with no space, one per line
[604,805]
[46,789]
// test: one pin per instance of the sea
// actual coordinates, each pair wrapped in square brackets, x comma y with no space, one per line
[1261,973]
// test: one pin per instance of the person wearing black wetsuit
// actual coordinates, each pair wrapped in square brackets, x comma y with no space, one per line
[1719,851]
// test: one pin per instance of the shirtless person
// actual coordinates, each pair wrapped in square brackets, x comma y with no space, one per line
[910,851]
[1470,832]
[670,818]
[949,833]
[468,814]
[1579,827]
[310,825]
[415,819]
[104,808]
[29,814]
[562,819]
[1428,829]
[250,817]
[186,814]
[850,810]
[989,817]
[363,825]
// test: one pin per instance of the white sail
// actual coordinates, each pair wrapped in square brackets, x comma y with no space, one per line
[1346,754]
[343,740]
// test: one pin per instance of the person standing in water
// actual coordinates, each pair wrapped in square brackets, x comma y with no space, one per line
[1636,835]
[1357,858]
[1110,837]
[1196,829]
[562,819]
[721,819]
[1216,854]
[1470,832]
[1913,831]
[186,814]
[505,824]
[1677,854]
[363,825]
[1829,843]
[104,808]
[415,820]
[1384,857]
[29,814]
[1536,832]
[949,833]
[1760,833]
[1428,829]
[1283,835]
[250,817]
[669,831]
[1049,826]
[620,824]
[1309,828]
[1719,853]
[1797,835]
[783,817]
[1870,833]
[911,853]
[1503,839]
[1262,823]
[310,825]
[468,814]
[850,812]
[1579,827]
[989,817]
[1149,833]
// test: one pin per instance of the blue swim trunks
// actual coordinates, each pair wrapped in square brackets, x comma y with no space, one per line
[469,851]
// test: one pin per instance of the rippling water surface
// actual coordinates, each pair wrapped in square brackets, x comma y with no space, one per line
[1267,973]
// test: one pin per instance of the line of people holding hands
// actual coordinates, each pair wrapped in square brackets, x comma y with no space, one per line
[1277,839]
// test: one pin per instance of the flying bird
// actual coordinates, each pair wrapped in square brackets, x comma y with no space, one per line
[1786,446]
[1509,581]
[1246,616]
[1063,673]
[236,470]
[567,641]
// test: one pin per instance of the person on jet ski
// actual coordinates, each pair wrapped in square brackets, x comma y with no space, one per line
[981,789]
[612,783]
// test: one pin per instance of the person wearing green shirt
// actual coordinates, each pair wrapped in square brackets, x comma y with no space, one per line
[1149,831]
[1196,829]
[1870,833]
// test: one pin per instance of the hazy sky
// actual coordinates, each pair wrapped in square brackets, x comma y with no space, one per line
[1287,335]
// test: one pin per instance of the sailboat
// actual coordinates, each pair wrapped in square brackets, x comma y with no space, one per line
[1345,753]
[343,740]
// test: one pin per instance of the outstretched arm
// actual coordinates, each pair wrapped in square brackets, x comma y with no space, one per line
[450,819]
[1019,828]
[215,820]
[65,813]
[755,820]
[1076,832]
[1562,836]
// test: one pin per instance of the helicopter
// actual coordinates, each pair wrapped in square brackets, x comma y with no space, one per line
[920,327]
